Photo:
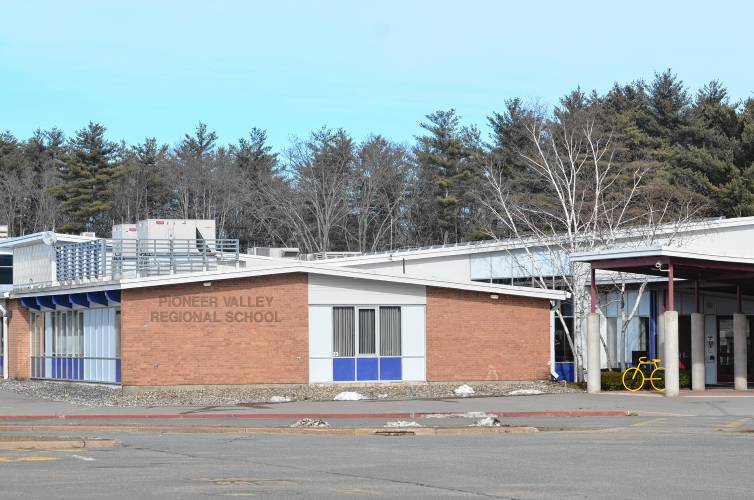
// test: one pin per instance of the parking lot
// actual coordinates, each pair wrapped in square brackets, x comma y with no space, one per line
[693,447]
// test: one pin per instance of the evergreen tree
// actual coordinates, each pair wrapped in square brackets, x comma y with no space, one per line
[86,180]
[449,165]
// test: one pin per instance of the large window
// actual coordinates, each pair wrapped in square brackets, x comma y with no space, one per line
[80,344]
[366,343]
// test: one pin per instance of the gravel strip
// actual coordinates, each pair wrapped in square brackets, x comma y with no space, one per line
[102,395]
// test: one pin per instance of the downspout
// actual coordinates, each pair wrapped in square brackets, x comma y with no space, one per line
[554,305]
[4,313]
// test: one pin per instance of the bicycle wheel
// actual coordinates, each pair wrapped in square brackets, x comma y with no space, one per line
[633,379]
[657,378]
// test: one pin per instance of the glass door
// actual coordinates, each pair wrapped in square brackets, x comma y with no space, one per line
[725,349]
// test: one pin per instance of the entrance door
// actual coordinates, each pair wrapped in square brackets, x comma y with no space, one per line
[725,351]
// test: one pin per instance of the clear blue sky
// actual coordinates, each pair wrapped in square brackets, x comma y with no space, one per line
[158,67]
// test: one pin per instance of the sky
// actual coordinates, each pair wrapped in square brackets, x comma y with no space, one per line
[157,68]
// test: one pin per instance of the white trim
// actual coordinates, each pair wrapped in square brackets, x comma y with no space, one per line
[511,244]
[235,273]
[628,253]
[31,239]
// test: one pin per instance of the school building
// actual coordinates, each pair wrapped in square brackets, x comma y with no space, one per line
[166,304]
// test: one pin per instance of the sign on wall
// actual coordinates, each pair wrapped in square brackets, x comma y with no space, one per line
[210,309]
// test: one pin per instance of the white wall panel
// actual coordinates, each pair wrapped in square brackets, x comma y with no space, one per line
[320,370]
[337,290]
[320,331]
[413,331]
[413,369]
[452,267]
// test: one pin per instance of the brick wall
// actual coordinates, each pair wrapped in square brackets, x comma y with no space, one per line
[471,337]
[19,340]
[158,347]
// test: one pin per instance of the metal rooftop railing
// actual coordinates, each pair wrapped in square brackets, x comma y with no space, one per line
[112,259]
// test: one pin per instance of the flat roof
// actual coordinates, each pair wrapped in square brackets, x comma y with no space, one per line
[484,246]
[223,274]
[686,264]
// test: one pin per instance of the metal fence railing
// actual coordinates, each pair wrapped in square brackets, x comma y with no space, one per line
[115,258]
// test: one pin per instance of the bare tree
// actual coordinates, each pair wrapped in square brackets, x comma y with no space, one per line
[589,200]
[321,173]
[382,179]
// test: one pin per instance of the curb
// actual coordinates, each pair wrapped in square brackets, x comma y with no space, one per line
[331,416]
[31,443]
[216,429]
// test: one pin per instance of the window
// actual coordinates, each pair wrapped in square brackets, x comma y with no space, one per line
[390,331]
[6,269]
[343,331]
[563,352]
[68,334]
[367,333]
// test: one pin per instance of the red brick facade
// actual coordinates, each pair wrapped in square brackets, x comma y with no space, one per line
[183,334]
[19,343]
[472,337]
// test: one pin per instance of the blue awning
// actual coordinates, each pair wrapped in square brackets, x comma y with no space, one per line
[97,298]
[69,300]
[113,296]
[79,299]
[45,301]
[62,301]
[30,302]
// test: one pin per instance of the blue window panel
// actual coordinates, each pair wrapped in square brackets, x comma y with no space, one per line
[79,299]
[30,302]
[97,298]
[390,369]
[62,301]
[113,296]
[344,369]
[366,369]
[117,371]
[564,371]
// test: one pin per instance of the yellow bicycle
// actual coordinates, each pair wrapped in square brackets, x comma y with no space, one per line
[634,378]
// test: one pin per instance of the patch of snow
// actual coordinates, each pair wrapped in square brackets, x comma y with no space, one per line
[439,415]
[310,422]
[403,423]
[280,399]
[382,396]
[348,396]
[476,414]
[463,390]
[487,422]
[525,392]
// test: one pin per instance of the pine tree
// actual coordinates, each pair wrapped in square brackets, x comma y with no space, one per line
[449,164]
[87,175]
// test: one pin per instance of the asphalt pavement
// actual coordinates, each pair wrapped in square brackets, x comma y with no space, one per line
[690,447]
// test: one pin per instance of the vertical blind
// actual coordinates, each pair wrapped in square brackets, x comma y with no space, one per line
[367,334]
[390,331]
[343,331]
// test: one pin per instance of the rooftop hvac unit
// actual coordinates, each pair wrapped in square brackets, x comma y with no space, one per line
[175,229]
[124,232]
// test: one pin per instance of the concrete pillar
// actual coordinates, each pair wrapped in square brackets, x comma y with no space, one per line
[697,352]
[593,348]
[739,352]
[670,318]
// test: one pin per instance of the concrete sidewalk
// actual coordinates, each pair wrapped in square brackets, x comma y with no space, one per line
[718,402]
